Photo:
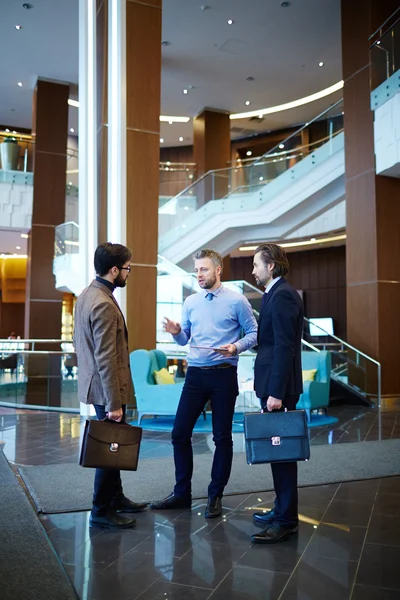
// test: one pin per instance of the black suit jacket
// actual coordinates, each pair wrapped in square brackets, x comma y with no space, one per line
[277,370]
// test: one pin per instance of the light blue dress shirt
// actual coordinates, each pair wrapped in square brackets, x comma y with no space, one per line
[216,323]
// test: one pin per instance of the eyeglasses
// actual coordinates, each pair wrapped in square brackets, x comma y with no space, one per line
[125,269]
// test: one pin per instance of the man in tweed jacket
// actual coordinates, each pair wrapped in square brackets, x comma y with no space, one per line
[101,346]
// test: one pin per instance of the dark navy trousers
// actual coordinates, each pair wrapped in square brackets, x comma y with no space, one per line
[220,386]
[107,482]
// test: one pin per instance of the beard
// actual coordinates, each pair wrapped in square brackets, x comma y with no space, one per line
[119,281]
[209,283]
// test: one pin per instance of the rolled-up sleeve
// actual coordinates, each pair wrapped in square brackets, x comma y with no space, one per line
[249,325]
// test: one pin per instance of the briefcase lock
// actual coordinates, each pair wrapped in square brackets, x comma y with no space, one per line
[276,441]
[114,447]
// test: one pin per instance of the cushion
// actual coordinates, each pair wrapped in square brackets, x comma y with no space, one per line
[163,376]
[309,374]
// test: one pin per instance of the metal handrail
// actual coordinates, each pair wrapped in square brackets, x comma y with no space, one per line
[383,25]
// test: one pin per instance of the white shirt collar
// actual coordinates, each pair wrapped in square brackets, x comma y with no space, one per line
[271,284]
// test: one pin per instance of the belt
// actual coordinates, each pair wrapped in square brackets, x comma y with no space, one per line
[220,366]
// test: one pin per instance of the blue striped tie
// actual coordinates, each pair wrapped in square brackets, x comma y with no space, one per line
[210,296]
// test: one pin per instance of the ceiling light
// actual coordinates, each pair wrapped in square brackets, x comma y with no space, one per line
[285,4]
[261,178]
[72,130]
[321,64]
[73,103]
[313,239]
[24,235]
[378,42]
[165,43]
[7,131]
[288,105]
[168,162]
[181,139]
[281,146]
[166,169]
[19,84]
[230,22]
[247,103]
[185,91]
[161,140]
[18,27]
[18,247]
[69,182]
[14,131]
[27,5]
[170,120]
[249,153]
[334,238]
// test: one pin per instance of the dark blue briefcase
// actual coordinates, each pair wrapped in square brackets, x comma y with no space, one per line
[276,437]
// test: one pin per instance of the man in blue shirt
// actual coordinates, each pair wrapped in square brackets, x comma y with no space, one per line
[212,322]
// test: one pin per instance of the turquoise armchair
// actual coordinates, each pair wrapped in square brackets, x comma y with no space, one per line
[315,393]
[152,399]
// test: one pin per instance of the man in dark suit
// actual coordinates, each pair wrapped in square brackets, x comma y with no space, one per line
[278,378]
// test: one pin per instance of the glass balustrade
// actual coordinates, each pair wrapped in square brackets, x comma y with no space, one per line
[384,52]
[235,186]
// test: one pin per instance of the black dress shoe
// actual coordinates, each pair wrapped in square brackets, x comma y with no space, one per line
[171,501]
[274,534]
[264,519]
[111,520]
[128,506]
[214,508]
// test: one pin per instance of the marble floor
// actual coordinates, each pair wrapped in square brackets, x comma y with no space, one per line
[348,545]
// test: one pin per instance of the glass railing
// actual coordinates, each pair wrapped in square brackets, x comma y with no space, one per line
[38,379]
[66,239]
[239,182]
[384,51]
[351,368]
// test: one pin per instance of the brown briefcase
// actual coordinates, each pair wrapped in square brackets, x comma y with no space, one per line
[110,445]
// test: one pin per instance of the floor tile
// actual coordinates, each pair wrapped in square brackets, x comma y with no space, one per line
[384,529]
[352,491]
[362,592]
[341,542]
[346,513]
[161,590]
[379,566]
[318,578]
[387,504]
[244,583]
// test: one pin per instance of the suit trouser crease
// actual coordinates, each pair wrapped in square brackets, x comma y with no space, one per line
[107,482]
[221,387]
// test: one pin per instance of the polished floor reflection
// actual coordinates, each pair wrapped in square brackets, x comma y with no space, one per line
[348,545]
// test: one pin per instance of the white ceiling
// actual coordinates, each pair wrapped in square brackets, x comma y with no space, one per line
[279,47]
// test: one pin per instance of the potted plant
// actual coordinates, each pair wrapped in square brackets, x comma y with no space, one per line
[9,154]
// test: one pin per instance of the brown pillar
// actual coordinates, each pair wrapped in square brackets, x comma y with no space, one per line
[43,301]
[373,210]
[212,150]
[143,65]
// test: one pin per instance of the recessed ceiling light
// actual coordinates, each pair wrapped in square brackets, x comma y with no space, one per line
[19,84]
[165,43]
[69,182]
[181,139]
[72,130]
[378,42]
[18,247]
[18,27]
[170,122]
[185,91]
[321,64]
[261,178]
[24,235]
[249,153]
[281,146]
[7,131]
[14,131]
[161,140]
[27,5]
[247,103]
[285,4]
[230,22]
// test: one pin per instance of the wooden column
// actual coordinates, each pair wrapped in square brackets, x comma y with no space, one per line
[211,150]
[43,301]
[143,65]
[373,210]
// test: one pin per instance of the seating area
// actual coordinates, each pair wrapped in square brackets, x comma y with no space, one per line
[156,399]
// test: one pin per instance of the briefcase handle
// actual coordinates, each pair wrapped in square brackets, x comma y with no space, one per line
[265,410]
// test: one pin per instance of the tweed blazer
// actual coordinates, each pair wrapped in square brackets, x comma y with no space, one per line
[101,346]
